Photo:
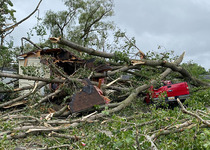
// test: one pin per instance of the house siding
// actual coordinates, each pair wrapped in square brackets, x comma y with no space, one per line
[31,61]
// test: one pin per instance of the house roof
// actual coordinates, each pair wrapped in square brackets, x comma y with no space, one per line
[58,53]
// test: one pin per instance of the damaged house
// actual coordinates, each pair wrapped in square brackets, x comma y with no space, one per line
[35,63]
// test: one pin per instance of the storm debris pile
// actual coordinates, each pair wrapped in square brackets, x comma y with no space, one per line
[60,85]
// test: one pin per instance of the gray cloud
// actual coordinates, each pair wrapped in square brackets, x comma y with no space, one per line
[24,8]
[176,24]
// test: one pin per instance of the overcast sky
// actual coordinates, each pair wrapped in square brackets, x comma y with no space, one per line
[179,25]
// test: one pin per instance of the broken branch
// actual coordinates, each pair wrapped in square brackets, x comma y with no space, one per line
[80,48]
[192,114]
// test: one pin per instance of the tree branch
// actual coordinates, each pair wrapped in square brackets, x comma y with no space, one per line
[136,91]
[192,114]
[79,48]
[16,24]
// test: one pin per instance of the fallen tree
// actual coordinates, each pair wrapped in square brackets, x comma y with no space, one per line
[51,123]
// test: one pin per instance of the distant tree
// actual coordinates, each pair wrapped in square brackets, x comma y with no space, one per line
[58,23]
[194,68]
[83,22]
[93,28]
[7,25]
[6,19]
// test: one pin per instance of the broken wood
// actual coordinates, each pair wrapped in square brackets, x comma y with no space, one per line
[48,80]
[206,122]
[46,98]
[20,97]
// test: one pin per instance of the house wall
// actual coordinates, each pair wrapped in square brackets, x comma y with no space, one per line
[32,61]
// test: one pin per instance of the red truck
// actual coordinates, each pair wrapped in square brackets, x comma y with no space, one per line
[169,92]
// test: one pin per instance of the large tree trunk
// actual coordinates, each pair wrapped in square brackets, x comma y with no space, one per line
[49,80]
[80,48]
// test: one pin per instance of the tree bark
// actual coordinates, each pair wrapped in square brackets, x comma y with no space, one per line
[49,80]
[80,48]
[136,91]
[173,67]
[22,88]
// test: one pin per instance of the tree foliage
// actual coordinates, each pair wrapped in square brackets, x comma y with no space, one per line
[83,22]
[6,17]
[194,68]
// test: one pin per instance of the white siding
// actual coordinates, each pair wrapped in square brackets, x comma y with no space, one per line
[31,61]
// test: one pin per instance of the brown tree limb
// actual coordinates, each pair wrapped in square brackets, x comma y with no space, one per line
[46,98]
[140,125]
[171,127]
[35,129]
[24,38]
[148,138]
[48,80]
[54,134]
[56,147]
[202,113]
[79,48]
[165,132]
[142,55]
[60,112]
[56,80]
[13,112]
[15,136]
[19,98]
[20,117]
[41,84]
[59,71]
[50,129]
[206,122]
[123,69]
[136,91]
[174,67]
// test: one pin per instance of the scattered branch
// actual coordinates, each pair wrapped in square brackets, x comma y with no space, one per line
[21,97]
[74,137]
[148,138]
[56,147]
[46,98]
[192,114]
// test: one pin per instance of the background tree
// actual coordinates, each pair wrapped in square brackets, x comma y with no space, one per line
[7,25]
[83,22]
[93,28]
[6,18]
[194,68]
[58,23]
